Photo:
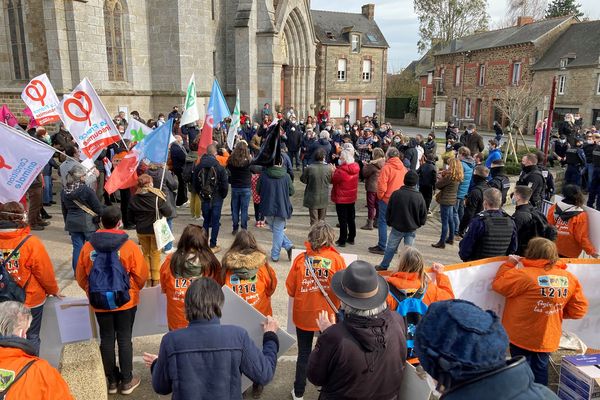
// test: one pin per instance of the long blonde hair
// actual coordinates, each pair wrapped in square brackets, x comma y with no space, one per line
[411,260]
[455,170]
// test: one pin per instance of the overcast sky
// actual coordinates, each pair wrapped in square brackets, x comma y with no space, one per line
[399,24]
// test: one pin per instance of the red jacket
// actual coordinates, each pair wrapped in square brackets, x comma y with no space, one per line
[345,184]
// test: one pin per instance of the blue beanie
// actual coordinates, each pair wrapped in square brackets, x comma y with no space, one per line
[457,341]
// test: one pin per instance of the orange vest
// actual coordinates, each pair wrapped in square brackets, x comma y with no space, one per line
[572,236]
[256,291]
[439,290]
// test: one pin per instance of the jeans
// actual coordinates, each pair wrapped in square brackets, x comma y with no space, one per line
[346,217]
[305,340]
[240,200]
[448,227]
[372,205]
[151,254]
[394,242]
[295,158]
[117,325]
[169,245]
[573,175]
[458,213]
[538,362]
[211,212]
[277,224]
[589,167]
[594,194]
[78,239]
[33,333]
[381,224]
[47,195]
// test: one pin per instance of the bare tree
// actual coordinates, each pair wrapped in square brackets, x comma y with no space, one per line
[521,8]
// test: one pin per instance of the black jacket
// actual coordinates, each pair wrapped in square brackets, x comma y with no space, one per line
[178,154]
[427,174]
[209,161]
[240,177]
[77,220]
[525,229]
[532,176]
[142,211]
[406,210]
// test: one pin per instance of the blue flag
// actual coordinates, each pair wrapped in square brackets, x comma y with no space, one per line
[217,106]
[155,146]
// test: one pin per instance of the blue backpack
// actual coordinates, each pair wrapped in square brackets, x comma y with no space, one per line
[108,281]
[412,308]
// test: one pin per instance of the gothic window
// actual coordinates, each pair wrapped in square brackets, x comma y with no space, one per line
[17,39]
[115,44]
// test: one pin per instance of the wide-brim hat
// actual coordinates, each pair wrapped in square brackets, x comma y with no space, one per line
[360,286]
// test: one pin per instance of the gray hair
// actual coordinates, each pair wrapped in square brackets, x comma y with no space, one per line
[324,135]
[347,156]
[364,313]
[75,174]
[13,316]
[392,152]
[493,198]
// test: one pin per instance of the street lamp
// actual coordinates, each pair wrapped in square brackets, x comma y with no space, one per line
[436,85]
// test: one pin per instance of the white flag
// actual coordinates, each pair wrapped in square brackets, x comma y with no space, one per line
[136,131]
[87,120]
[22,158]
[235,122]
[40,97]
[190,113]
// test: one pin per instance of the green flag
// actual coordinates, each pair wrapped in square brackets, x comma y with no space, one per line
[190,113]
[235,122]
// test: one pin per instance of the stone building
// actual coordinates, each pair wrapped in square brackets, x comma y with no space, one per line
[574,59]
[473,70]
[352,63]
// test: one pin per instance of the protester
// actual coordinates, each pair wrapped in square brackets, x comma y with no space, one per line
[390,179]
[539,293]
[65,167]
[370,173]
[472,139]
[594,188]
[406,213]
[468,356]
[80,209]
[145,207]
[167,183]
[24,374]
[491,233]
[363,355]
[178,155]
[206,360]
[317,178]
[447,183]
[474,199]
[532,176]
[499,179]
[30,265]
[498,131]
[312,270]
[193,259]
[344,193]
[97,266]
[575,159]
[494,153]
[571,222]
[259,219]
[34,201]
[468,164]
[322,143]
[240,178]
[527,218]
[427,178]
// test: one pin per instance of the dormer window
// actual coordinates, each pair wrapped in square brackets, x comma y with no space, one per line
[563,63]
[330,35]
[355,42]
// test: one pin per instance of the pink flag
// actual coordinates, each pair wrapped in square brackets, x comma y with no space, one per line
[32,122]
[7,117]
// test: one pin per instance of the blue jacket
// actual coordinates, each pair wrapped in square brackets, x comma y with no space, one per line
[275,187]
[206,360]
[463,188]
[494,155]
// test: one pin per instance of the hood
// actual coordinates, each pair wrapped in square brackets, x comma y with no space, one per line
[469,161]
[379,163]
[405,280]
[244,265]
[566,211]
[207,161]
[16,342]
[10,230]
[108,240]
[350,169]
[396,164]
[323,142]
[369,332]
[529,263]
[73,192]
[276,172]
[479,180]
[412,143]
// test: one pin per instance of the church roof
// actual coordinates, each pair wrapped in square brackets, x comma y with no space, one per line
[332,28]
[579,44]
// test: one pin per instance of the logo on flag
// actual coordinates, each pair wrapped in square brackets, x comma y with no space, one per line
[235,122]
[40,97]
[136,131]
[86,109]
[190,114]
[7,117]
[3,164]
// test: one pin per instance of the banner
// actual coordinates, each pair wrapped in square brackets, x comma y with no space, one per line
[235,122]
[40,97]
[136,131]
[7,117]
[87,120]
[22,158]
[473,281]
[190,113]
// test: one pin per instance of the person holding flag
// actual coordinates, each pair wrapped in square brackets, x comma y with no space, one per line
[235,123]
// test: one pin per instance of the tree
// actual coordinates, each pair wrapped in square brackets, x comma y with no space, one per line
[560,8]
[444,20]
[404,84]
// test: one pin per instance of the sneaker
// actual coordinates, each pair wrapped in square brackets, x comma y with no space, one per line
[380,268]
[128,388]
[294,397]
[338,244]
[113,388]
[376,250]
[215,249]
[37,228]
[350,242]
[257,224]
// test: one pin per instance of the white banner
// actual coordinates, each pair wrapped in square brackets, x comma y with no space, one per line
[87,120]
[40,97]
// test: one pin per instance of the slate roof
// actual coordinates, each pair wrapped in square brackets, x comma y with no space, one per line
[338,23]
[504,37]
[581,40]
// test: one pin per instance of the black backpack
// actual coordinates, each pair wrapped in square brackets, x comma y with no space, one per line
[9,289]
[541,227]
[502,183]
[208,183]
[188,167]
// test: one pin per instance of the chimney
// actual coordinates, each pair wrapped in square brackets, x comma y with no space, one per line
[524,21]
[368,10]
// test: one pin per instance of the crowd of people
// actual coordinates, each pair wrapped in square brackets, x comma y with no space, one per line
[369,319]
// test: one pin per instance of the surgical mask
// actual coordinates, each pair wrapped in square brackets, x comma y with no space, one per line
[590,141]
[469,131]
[513,200]
[47,139]
[563,140]
[161,119]
[396,140]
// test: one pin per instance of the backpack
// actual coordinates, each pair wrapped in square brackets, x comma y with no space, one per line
[9,289]
[412,308]
[188,167]
[541,227]
[208,183]
[502,183]
[108,281]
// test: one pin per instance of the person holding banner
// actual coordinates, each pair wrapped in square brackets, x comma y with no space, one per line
[539,293]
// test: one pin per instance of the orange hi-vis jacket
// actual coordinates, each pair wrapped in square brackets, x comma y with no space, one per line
[175,290]
[572,235]
[410,281]
[252,278]
[537,301]
[40,382]
[132,259]
[308,299]
[31,263]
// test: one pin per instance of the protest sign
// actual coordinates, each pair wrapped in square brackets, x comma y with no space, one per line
[413,386]
[40,97]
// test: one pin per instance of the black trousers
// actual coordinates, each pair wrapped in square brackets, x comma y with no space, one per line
[125,195]
[346,216]
[117,325]
[427,192]
[182,193]
[305,340]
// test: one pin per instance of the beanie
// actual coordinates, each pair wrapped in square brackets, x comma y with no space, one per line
[411,178]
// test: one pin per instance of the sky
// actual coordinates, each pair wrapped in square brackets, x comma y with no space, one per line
[400,26]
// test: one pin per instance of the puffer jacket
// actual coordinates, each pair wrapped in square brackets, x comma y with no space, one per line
[468,165]
[390,179]
[275,184]
[77,220]
[345,184]
[371,171]
[573,230]
[448,189]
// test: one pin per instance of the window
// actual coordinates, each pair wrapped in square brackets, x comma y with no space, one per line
[423,93]
[355,43]
[563,63]
[17,39]
[468,108]
[115,45]
[457,77]
[366,70]
[516,74]
[212,9]
[341,69]
[562,80]
[454,107]
[482,75]
[429,78]
[598,86]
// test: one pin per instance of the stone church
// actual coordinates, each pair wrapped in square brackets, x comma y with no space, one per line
[140,54]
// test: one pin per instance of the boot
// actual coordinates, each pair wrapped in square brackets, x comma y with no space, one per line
[368,226]
[375,223]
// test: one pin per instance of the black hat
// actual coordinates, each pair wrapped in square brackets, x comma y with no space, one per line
[411,178]
[360,286]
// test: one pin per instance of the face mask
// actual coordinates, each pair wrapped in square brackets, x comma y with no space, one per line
[161,119]
[513,200]
[430,139]
[590,141]
[47,139]
[355,128]
[563,141]
[469,131]
[328,128]
[396,140]
[293,129]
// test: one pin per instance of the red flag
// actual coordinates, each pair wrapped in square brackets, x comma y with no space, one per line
[206,135]
[32,121]
[124,175]
[7,117]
